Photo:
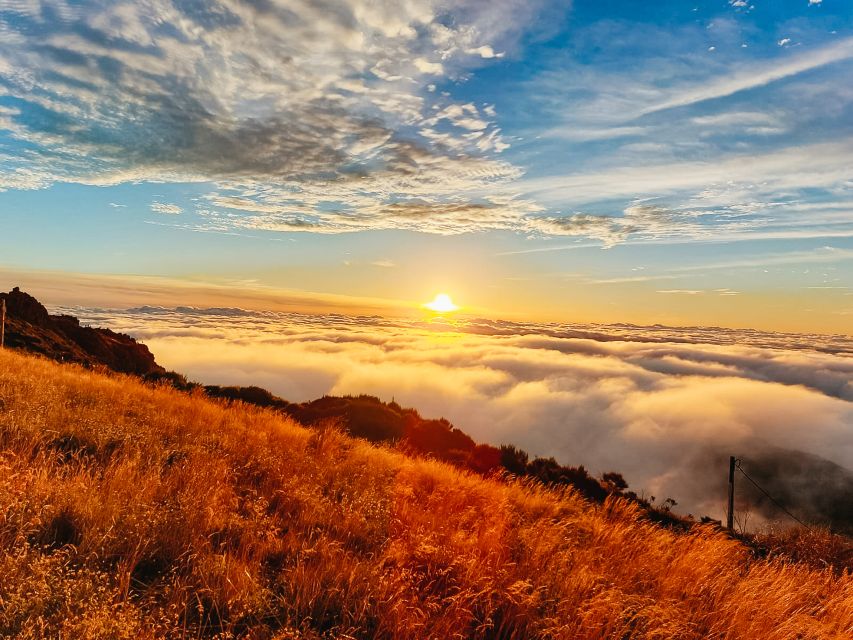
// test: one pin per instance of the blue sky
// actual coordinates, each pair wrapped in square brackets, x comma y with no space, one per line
[673,162]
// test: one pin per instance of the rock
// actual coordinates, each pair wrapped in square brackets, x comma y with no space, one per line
[24,307]
[29,326]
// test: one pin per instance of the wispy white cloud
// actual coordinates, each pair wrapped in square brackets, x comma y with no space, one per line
[163,207]
[627,279]
[569,132]
[486,51]
[688,292]
[755,76]
[730,119]
[730,198]
[823,255]
[798,167]
[651,125]
[640,219]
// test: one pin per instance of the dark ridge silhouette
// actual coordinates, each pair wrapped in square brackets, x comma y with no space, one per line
[29,326]
[367,417]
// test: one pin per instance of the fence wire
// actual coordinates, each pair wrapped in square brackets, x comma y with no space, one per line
[771,498]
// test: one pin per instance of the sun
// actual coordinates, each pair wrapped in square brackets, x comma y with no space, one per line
[441,304]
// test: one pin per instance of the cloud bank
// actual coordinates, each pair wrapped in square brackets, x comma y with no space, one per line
[660,405]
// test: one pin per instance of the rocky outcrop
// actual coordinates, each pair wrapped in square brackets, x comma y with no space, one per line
[29,326]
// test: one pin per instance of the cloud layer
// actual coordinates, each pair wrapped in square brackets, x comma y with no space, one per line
[658,404]
[353,115]
[305,115]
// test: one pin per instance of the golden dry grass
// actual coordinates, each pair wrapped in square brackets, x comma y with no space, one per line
[133,512]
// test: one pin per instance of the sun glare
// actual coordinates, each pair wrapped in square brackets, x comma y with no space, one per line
[441,304]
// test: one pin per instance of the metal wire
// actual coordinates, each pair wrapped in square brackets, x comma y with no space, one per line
[771,498]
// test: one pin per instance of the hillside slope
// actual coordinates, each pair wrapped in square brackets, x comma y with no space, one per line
[135,512]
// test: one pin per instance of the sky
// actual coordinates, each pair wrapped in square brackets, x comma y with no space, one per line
[676,163]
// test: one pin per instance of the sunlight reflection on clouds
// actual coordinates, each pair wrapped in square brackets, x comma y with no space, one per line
[652,402]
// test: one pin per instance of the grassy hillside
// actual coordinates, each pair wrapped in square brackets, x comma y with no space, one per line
[133,512]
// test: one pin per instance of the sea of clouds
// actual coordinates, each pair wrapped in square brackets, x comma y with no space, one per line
[664,406]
